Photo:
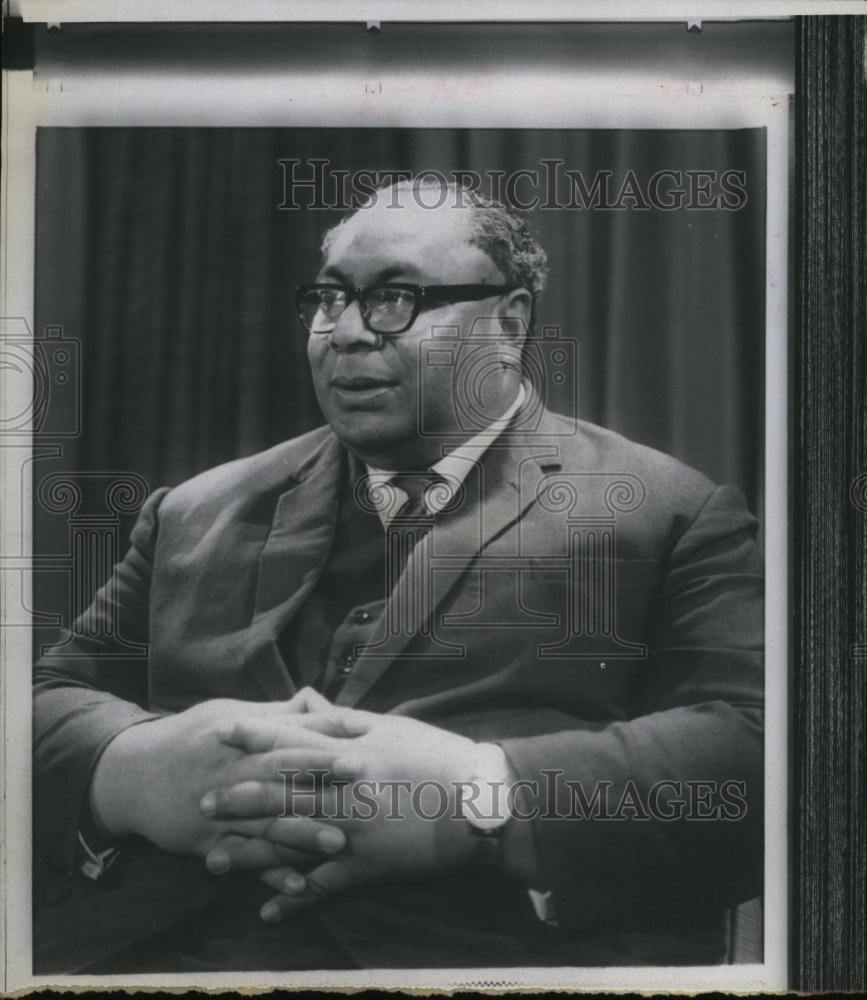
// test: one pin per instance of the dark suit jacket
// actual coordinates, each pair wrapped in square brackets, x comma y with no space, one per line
[597,609]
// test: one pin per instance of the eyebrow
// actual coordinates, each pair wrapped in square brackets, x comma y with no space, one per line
[337,274]
[386,274]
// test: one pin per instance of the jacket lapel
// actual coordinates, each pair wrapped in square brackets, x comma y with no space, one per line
[291,561]
[502,488]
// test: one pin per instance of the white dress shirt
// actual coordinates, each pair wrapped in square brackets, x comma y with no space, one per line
[454,468]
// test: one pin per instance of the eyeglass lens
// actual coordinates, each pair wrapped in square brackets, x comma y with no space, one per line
[386,309]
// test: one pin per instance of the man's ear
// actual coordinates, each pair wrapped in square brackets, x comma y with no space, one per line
[514,312]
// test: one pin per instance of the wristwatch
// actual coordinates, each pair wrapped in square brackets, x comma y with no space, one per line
[484,802]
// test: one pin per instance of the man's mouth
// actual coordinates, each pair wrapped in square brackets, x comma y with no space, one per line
[359,383]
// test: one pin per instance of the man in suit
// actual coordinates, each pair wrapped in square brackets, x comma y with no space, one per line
[447,587]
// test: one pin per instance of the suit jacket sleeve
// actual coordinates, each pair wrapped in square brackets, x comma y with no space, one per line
[696,718]
[84,693]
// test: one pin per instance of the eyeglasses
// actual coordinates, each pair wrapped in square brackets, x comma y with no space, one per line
[386,309]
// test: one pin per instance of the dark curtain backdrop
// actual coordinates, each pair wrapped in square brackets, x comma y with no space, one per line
[164,253]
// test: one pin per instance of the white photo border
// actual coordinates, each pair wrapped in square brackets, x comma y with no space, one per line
[209,100]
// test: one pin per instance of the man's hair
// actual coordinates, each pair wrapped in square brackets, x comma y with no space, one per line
[499,230]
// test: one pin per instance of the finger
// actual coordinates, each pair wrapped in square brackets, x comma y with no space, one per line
[304,767]
[247,799]
[308,700]
[300,766]
[298,842]
[297,833]
[253,736]
[295,765]
[284,880]
[262,735]
[342,722]
[257,802]
[347,768]
[325,803]
[324,882]
[233,852]
[290,803]
[263,800]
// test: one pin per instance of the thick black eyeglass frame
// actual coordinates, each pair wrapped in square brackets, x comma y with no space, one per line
[426,297]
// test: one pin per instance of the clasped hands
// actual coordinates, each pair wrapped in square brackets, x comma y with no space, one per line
[260,787]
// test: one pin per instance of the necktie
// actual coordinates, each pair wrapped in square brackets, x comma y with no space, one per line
[416,486]
[412,520]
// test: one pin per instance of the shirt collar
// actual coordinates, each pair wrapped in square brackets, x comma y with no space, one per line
[454,467]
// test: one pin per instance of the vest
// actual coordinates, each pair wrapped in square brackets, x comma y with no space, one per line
[341,611]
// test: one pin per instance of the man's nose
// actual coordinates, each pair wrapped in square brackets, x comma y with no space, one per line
[350,332]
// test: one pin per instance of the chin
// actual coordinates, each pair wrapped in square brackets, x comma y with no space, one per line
[368,434]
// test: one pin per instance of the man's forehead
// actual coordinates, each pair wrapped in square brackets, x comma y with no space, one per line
[410,234]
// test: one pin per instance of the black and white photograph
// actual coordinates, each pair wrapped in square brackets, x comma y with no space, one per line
[397,566]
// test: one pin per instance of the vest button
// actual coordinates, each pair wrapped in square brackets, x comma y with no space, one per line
[360,616]
[345,664]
